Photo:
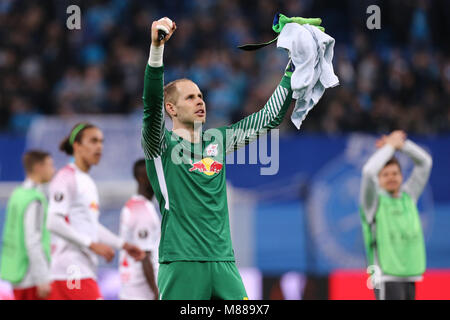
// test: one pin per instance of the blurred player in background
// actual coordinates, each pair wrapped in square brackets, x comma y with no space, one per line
[140,225]
[195,253]
[25,260]
[391,223]
[73,218]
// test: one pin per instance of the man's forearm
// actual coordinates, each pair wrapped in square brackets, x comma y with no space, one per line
[277,106]
[369,189]
[417,154]
[149,272]
[155,58]
[153,98]
[109,238]
[258,123]
[377,161]
[57,225]
[422,169]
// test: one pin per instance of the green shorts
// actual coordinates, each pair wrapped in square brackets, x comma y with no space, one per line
[194,280]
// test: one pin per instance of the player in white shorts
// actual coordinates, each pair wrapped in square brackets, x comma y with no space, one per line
[77,235]
[140,224]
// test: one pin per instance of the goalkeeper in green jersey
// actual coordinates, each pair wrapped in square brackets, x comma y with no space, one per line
[186,169]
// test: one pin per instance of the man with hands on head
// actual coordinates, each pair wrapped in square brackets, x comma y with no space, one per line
[391,224]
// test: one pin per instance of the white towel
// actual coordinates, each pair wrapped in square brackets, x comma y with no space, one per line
[311,51]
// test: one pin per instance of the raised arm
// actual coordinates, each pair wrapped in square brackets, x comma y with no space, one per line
[369,185]
[259,123]
[153,120]
[421,172]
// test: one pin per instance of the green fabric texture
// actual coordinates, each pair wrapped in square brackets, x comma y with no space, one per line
[283,20]
[189,179]
[183,280]
[399,238]
[14,259]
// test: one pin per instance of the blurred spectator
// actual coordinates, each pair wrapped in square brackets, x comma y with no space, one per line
[22,114]
[394,78]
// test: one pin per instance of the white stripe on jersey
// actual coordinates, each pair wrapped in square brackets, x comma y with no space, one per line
[162,181]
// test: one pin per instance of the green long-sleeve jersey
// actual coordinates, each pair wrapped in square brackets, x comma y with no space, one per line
[189,178]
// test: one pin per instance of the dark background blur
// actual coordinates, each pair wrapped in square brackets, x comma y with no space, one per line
[394,78]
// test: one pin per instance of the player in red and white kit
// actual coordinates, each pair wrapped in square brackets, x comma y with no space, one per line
[140,224]
[73,213]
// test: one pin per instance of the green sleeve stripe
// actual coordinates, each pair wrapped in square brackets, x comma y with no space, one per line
[242,131]
[252,123]
[269,117]
[278,98]
[260,120]
[150,142]
[243,127]
[265,118]
[279,94]
[276,103]
[248,124]
[271,109]
[152,146]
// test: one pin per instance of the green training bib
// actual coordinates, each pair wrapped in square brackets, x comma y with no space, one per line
[399,237]
[14,259]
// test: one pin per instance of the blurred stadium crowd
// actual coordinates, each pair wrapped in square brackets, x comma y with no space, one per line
[394,78]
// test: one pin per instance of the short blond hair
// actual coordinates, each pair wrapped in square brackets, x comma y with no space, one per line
[171,93]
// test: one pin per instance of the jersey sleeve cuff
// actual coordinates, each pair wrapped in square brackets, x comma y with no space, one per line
[85,241]
[155,58]
[286,82]
[120,243]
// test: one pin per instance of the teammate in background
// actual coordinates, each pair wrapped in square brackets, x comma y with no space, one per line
[390,219]
[140,224]
[73,219]
[25,260]
[195,253]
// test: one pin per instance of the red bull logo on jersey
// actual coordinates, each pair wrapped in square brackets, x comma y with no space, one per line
[207,166]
